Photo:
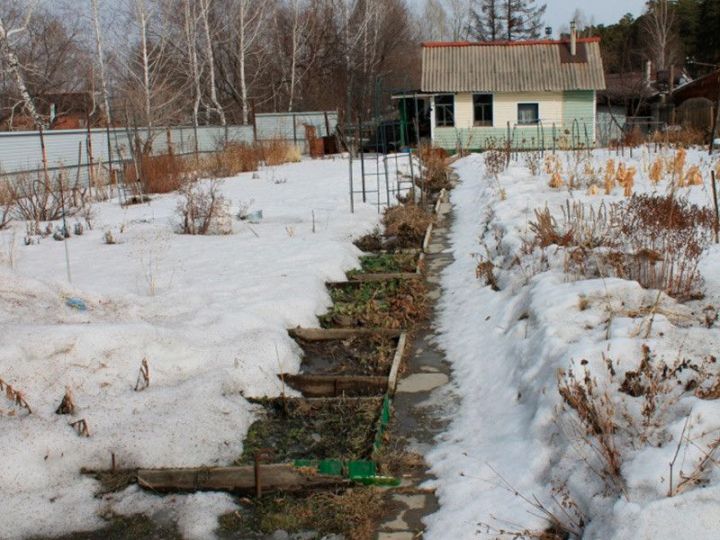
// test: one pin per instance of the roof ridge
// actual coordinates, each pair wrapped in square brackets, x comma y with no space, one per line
[447,44]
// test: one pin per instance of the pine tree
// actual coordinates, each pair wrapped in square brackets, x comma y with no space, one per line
[523,19]
[487,22]
[493,20]
[708,32]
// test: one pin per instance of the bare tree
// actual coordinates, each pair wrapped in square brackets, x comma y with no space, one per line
[101,61]
[12,65]
[190,20]
[204,11]
[659,26]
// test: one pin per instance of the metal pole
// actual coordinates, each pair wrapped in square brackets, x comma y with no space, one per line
[352,189]
[715,202]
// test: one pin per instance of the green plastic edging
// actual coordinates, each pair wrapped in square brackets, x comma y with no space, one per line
[361,470]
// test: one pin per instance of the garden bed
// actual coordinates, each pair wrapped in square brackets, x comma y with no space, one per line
[355,364]
[393,303]
[311,429]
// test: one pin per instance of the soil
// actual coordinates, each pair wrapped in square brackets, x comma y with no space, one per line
[359,355]
[313,429]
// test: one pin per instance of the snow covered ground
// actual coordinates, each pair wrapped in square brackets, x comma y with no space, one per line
[209,313]
[512,439]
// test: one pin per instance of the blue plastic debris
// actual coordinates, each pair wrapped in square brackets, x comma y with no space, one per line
[255,217]
[76,303]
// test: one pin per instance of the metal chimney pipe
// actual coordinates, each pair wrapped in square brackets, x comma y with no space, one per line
[573,38]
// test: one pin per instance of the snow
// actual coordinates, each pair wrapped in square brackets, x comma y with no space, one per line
[509,440]
[209,313]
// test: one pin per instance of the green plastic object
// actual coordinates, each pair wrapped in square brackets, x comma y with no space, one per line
[332,467]
[361,469]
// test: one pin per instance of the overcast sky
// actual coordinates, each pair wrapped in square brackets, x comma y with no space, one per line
[559,12]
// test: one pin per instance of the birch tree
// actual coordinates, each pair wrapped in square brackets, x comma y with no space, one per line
[659,25]
[101,61]
[12,65]
[190,21]
[204,11]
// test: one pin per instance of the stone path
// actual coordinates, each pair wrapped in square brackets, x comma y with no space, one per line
[418,401]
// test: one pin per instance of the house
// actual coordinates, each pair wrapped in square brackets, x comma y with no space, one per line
[534,93]
[63,110]
[696,102]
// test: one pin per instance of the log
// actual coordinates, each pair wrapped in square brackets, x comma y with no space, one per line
[275,477]
[335,385]
[331,334]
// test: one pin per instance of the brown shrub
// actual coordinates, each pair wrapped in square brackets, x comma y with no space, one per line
[163,173]
[44,198]
[233,159]
[7,202]
[407,224]
[278,151]
[203,210]
[685,137]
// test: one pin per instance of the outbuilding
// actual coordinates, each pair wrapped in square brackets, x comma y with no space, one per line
[533,93]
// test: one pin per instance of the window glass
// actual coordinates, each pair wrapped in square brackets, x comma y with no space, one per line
[528,113]
[483,109]
[445,110]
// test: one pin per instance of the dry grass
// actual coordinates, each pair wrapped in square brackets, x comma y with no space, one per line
[16,397]
[436,174]
[67,405]
[160,174]
[653,239]
[233,159]
[632,411]
[595,414]
[685,137]
[277,151]
[407,224]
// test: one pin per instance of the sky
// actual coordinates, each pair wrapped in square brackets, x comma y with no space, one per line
[559,12]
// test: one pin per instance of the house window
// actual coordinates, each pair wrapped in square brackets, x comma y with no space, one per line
[445,110]
[483,109]
[528,114]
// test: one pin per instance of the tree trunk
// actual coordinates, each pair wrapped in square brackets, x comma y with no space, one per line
[13,66]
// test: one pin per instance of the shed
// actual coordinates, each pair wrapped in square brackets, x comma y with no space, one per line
[532,92]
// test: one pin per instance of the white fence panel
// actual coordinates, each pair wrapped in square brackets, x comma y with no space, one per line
[21,151]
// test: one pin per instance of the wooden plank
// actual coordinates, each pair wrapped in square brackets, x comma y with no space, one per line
[363,278]
[275,477]
[426,240]
[397,360]
[331,334]
[335,385]
[420,264]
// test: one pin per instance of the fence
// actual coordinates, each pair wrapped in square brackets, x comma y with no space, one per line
[290,126]
[73,149]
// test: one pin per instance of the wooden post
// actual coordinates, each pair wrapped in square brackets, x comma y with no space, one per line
[715,202]
[88,146]
[716,114]
[258,485]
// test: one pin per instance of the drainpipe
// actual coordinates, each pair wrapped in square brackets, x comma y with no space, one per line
[432,120]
